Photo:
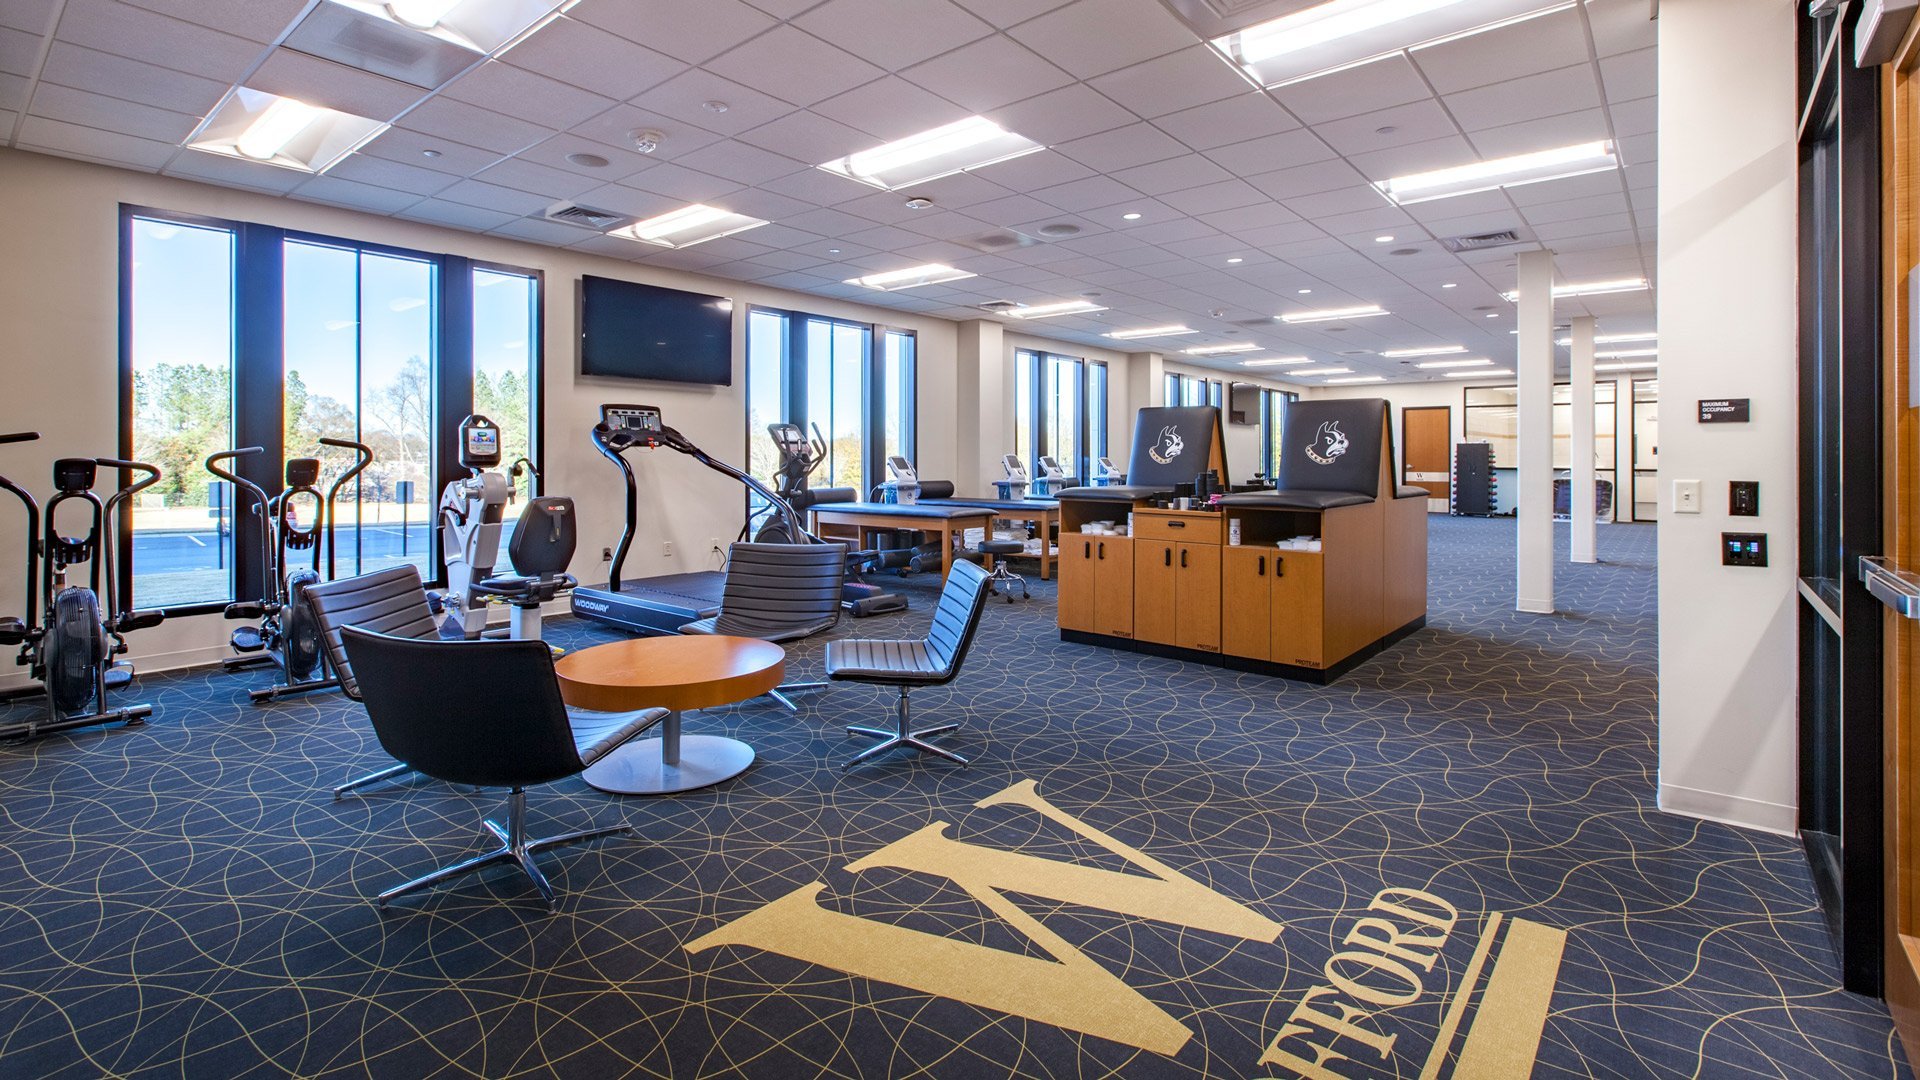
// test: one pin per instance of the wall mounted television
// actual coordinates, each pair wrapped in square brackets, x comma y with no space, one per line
[633,331]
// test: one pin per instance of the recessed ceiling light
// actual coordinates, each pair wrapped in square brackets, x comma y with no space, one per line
[1132,216]
[1614,339]
[714,106]
[911,278]
[482,26]
[1275,361]
[1385,129]
[1341,33]
[1487,374]
[1383,239]
[1589,288]
[687,226]
[833,251]
[1556,164]
[1334,314]
[1060,228]
[1493,314]
[1425,350]
[430,153]
[253,125]
[1152,331]
[1236,259]
[1305,292]
[1217,350]
[1356,379]
[1453,363]
[919,202]
[1048,311]
[1322,371]
[588,161]
[942,151]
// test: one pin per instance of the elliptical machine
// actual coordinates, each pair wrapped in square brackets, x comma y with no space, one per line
[287,634]
[472,512]
[68,638]
[799,460]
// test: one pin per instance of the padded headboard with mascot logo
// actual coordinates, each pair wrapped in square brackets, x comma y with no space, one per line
[1335,445]
[1171,446]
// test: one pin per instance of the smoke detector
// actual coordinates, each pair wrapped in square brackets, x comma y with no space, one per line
[646,140]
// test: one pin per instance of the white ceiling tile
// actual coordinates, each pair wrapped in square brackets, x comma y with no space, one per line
[1542,44]
[1589,125]
[110,114]
[829,223]
[256,20]
[1631,75]
[1135,144]
[816,187]
[616,125]
[1062,115]
[1179,80]
[679,182]
[586,57]
[1557,231]
[1638,117]
[1092,37]
[1307,179]
[967,188]
[1530,97]
[1341,201]
[553,152]
[662,25]
[1272,152]
[139,34]
[1401,125]
[494,197]
[367,169]
[626,200]
[894,34]
[1480,202]
[334,86]
[1621,26]
[537,99]
[1173,174]
[1369,88]
[130,80]
[1090,193]
[1225,195]
[1235,119]
[410,147]
[472,126]
[37,15]
[549,183]
[1032,172]
[72,140]
[808,136]
[987,74]
[1573,187]
[685,98]
[338,192]
[890,108]
[1417,157]
[795,241]
[540,232]
[19,51]
[794,66]
[739,162]
[457,215]
[1256,216]
[1005,13]
[1167,232]
[1012,209]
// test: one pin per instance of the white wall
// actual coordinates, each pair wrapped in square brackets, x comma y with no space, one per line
[1727,302]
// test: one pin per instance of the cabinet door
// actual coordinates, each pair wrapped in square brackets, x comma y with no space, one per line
[1197,597]
[1246,587]
[1154,582]
[1298,610]
[1077,573]
[1113,586]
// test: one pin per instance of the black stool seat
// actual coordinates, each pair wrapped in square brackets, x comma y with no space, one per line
[1001,547]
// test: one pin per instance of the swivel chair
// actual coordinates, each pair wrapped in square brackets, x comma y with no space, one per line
[1003,575]
[486,713]
[779,592]
[932,661]
[391,601]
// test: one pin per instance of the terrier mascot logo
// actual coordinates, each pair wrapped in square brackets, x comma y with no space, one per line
[1167,446]
[1329,443]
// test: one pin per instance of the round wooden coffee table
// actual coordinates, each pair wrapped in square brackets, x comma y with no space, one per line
[674,673]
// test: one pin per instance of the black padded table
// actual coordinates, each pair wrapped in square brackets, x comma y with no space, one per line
[856,519]
[1044,513]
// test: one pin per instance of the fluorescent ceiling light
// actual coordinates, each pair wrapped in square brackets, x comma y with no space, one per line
[1515,171]
[943,151]
[1275,361]
[911,278]
[1479,374]
[1217,350]
[1431,350]
[1613,339]
[1048,311]
[1454,363]
[1589,288]
[488,27]
[1624,354]
[687,226]
[1356,379]
[1152,331]
[252,125]
[1631,365]
[1342,33]
[1322,371]
[421,14]
[1334,314]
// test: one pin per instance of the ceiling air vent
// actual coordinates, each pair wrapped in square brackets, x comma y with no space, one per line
[586,217]
[999,307]
[1003,240]
[1482,241]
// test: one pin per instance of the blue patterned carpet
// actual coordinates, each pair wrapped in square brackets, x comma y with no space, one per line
[185,900]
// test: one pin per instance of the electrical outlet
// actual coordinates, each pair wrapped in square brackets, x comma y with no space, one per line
[1686,496]
[606,554]
[716,544]
[667,549]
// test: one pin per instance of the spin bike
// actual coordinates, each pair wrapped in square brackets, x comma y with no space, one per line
[288,634]
[472,513]
[68,639]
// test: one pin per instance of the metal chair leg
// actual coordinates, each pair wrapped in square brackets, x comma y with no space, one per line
[515,847]
[903,735]
[387,773]
[779,693]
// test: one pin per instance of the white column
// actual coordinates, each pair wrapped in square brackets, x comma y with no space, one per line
[1534,423]
[984,405]
[1582,450]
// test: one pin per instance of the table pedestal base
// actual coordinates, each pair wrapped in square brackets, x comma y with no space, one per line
[671,763]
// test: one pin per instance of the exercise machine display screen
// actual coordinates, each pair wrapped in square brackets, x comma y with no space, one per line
[483,442]
[637,419]
[1016,471]
[1050,468]
[901,470]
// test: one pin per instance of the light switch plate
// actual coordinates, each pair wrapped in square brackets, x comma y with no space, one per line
[1686,496]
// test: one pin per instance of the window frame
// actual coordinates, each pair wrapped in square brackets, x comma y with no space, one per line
[1032,364]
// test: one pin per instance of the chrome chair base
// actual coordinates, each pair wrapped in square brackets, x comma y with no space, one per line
[514,847]
[779,693]
[902,734]
[388,773]
[1003,576]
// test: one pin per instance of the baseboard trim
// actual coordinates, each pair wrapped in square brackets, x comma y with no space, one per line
[1778,818]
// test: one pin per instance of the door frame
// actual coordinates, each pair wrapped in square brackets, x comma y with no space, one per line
[1405,443]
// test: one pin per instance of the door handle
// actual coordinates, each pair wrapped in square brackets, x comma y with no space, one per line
[1279,566]
[1263,566]
[1169,554]
[1176,524]
[1103,549]
[1183,558]
[1897,589]
[1088,549]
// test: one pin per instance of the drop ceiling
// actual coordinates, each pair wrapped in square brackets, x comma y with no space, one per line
[1252,203]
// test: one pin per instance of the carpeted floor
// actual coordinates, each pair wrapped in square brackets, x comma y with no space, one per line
[185,900]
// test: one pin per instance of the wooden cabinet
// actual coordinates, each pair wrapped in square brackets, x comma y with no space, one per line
[1153,591]
[1176,594]
[1246,582]
[1096,584]
[1298,609]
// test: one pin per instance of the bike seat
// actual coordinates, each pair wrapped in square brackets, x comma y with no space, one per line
[245,609]
[12,631]
[118,677]
[138,620]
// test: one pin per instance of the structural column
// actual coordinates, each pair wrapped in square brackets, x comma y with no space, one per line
[984,404]
[1534,434]
[1580,368]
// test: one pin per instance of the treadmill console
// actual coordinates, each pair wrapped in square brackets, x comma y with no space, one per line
[642,421]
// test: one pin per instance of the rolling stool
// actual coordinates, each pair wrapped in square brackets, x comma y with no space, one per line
[1001,575]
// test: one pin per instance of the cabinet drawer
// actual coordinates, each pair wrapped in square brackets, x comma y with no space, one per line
[1185,528]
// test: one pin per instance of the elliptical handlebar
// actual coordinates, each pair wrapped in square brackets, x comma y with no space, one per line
[19,436]
[107,514]
[363,458]
[32,507]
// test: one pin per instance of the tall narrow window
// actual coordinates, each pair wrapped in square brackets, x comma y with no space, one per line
[855,382]
[1062,414]
[766,390]
[1273,423]
[180,341]
[506,334]
[1026,378]
[897,380]
[1096,417]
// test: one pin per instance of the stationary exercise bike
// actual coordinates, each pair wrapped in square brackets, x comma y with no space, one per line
[69,638]
[472,514]
[287,634]
[800,458]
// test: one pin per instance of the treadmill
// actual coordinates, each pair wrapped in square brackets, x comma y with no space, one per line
[657,605]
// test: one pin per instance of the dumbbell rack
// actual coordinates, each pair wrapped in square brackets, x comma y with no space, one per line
[1474,484]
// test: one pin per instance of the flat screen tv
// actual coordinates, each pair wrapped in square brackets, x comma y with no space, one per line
[634,331]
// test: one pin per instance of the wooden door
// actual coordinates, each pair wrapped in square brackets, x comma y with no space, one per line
[1297,608]
[1154,586]
[1077,591]
[1426,440]
[1113,586]
[1246,587]
[1197,597]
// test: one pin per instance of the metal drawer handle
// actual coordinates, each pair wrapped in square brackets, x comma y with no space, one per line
[1897,589]
[1263,566]
[1176,524]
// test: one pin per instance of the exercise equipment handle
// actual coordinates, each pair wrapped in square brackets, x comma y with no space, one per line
[363,458]
[19,436]
[109,520]
[32,507]
[241,483]
[672,438]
